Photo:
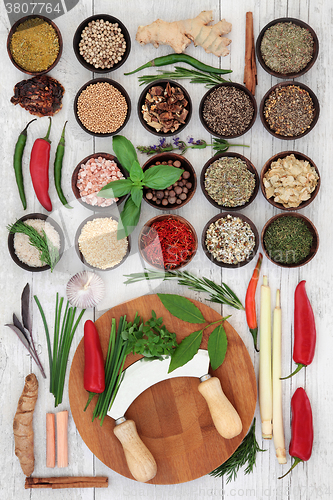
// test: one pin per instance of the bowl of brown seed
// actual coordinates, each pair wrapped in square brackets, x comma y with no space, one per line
[287,48]
[101,43]
[289,110]
[102,107]
[179,193]
[229,181]
[228,110]
[34,44]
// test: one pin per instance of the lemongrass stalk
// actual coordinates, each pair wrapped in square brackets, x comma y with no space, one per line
[278,433]
[265,362]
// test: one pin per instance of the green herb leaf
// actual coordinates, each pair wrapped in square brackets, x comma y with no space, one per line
[161,176]
[115,189]
[125,151]
[217,346]
[136,195]
[136,173]
[185,350]
[129,218]
[181,307]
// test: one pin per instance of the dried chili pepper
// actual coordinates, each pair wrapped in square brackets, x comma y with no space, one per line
[304,330]
[39,169]
[18,154]
[300,447]
[250,302]
[94,374]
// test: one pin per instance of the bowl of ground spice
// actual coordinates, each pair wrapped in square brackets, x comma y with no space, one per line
[96,243]
[230,240]
[102,43]
[179,193]
[34,44]
[229,180]
[287,48]
[289,240]
[102,107]
[289,110]
[228,110]
[168,242]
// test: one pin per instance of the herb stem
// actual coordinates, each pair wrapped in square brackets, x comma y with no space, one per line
[207,79]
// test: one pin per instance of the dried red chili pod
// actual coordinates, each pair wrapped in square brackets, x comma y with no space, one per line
[94,374]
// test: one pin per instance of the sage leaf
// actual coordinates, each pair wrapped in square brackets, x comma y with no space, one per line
[136,195]
[181,307]
[115,189]
[217,346]
[125,151]
[129,218]
[185,351]
[161,176]
[136,173]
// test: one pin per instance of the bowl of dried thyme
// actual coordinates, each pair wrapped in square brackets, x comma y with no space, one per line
[289,240]
[230,181]
[34,44]
[287,48]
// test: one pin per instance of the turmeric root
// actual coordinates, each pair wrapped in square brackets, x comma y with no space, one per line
[22,425]
[180,34]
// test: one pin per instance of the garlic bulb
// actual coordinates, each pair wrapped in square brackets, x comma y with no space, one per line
[85,289]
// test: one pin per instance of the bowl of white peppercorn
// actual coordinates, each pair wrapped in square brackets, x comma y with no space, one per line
[179,193]
[102,43]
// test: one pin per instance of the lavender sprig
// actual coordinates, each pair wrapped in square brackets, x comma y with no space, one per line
[219,145]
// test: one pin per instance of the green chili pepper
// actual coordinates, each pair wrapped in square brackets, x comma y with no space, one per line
[58,168]
[18,154]
[176,58]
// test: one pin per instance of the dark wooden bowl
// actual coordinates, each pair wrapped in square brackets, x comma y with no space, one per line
[77,39]
[185,165]
[146,227]
[11,242]
[223,264]
[298,22]
[76,191]
[12,31]
[250,167]
[315,243]
[80,255]
[298,156]
[117,86]
[239,87]
[315,104]
[163,83]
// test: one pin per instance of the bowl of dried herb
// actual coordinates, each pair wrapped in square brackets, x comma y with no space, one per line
[289,240]
[34,44]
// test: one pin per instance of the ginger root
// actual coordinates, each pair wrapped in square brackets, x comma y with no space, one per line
[22,425]
[180,34]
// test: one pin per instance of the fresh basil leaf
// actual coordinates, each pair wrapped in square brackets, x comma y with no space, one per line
[136,195]
[115,189]
[217,346]
[181,307]
[129,219]
[161,176]
[125,151]
[185,351]
[136,173]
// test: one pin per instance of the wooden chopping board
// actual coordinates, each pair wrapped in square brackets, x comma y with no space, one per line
[172,417]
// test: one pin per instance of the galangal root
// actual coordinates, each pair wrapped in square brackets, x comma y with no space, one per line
[22,425]
[180,34]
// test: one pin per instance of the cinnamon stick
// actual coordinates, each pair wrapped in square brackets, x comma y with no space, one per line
[66,482]
[62,439]
[50,440]
[250,70]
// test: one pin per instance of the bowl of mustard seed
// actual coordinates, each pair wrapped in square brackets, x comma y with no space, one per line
[34,45]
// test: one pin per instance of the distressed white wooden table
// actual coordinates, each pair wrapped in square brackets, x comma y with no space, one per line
[312,480]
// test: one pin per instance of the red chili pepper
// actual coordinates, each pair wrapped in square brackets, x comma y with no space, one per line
[94,374]
[304,330]
[39,169]
[250,302]
[300,447]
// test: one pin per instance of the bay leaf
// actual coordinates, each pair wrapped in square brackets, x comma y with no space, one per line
[181,307]
[217,346]
[186,350]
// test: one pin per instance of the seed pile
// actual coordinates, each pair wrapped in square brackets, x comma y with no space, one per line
[29,254]
[99,245]
[102,108]
[229,182]
[175,194]
[227,111]
[289,110]
[230,240]
[102,44]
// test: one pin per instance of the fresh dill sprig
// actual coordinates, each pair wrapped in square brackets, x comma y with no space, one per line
[219,145]
[207,79]
[246,453]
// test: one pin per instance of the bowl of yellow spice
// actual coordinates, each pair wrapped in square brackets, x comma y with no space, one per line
[34,44]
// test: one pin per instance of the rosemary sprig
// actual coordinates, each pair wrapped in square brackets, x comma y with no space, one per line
[207,79]
[219,145]
[221,294]
[246,453]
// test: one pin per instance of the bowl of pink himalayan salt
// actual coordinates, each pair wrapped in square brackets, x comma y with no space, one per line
[91,174]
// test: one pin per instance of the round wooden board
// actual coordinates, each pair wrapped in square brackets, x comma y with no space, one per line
[172,417]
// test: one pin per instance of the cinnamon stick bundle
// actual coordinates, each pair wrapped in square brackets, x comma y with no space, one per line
[66,482]
[250,71]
